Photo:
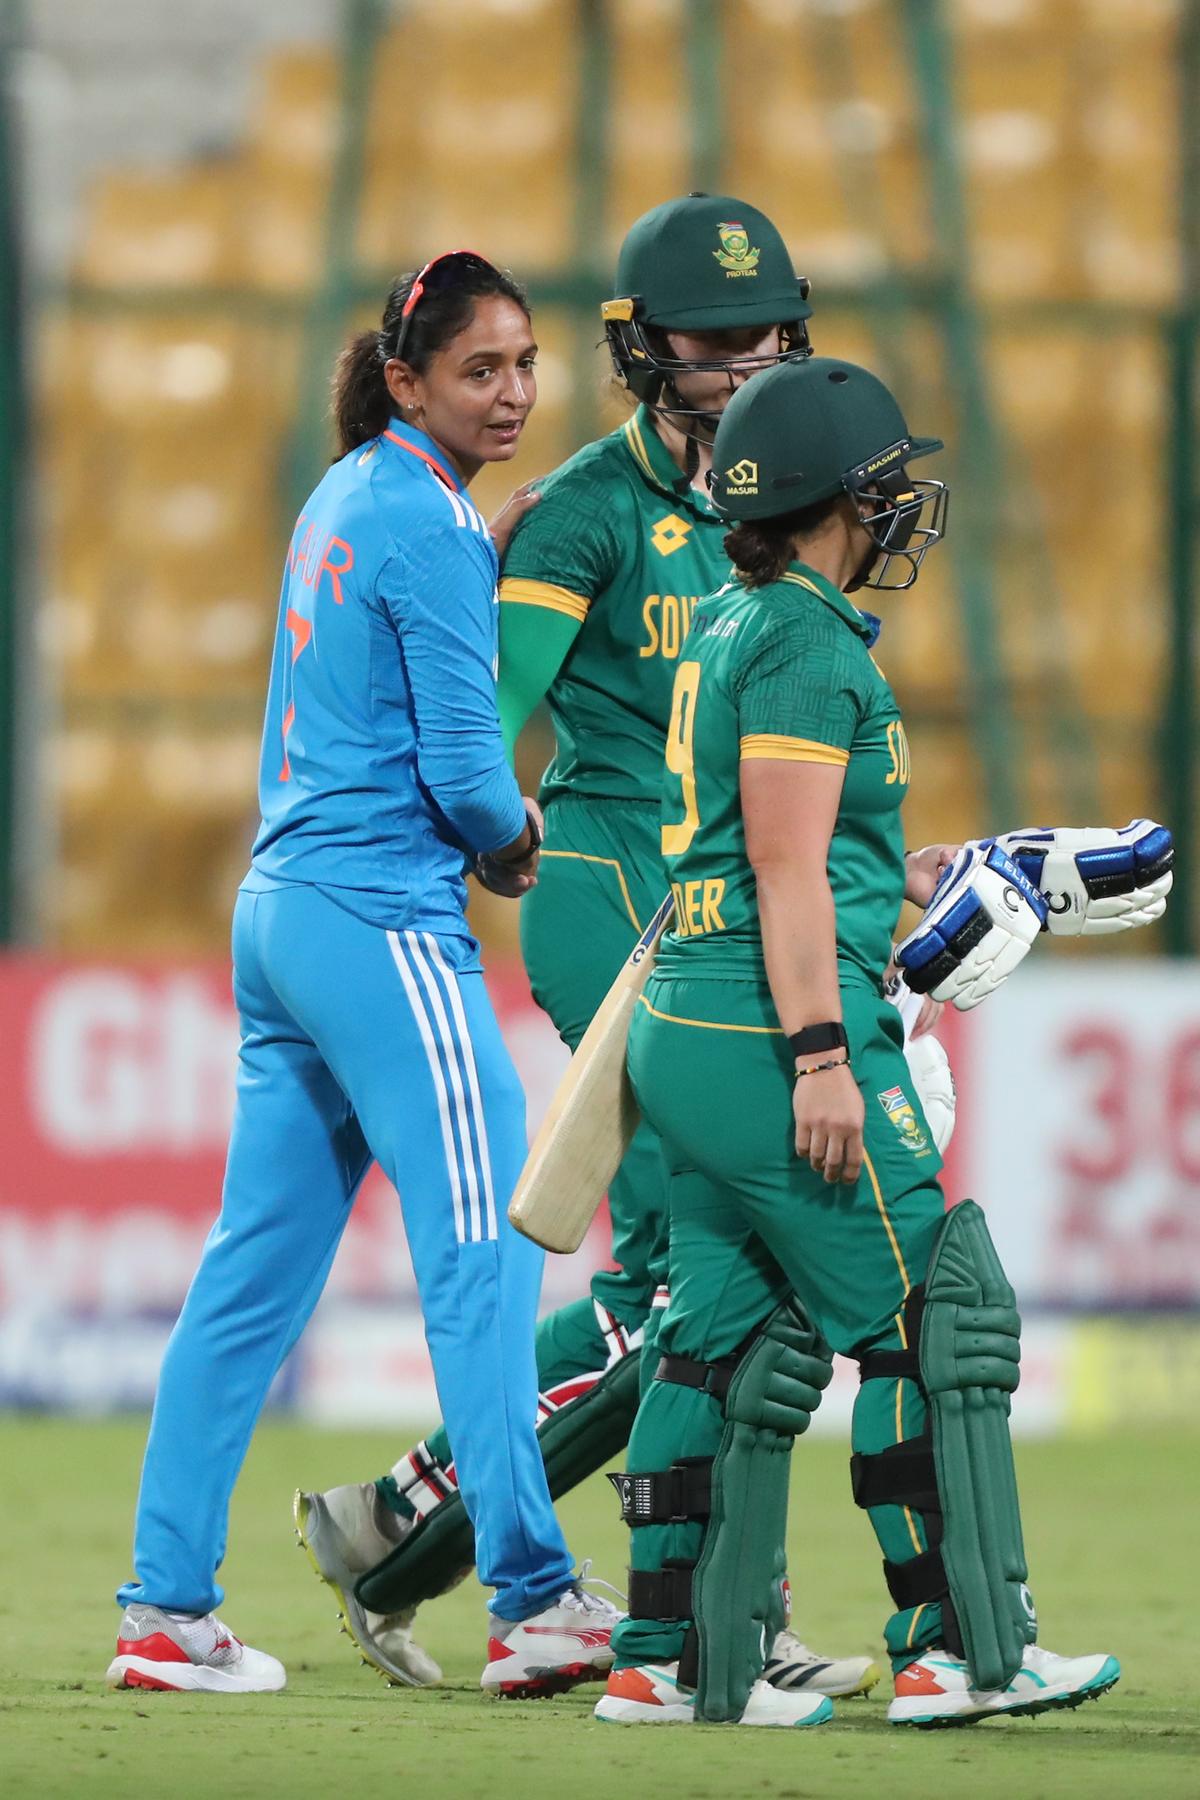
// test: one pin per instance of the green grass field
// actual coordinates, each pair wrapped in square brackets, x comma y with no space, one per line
[1111,1535]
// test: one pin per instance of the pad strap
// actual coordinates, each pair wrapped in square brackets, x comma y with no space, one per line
[923,1582]
[901,1365]
[711,1378]
[666,1496]
[893,1365]
[664,1593]
[902,1475]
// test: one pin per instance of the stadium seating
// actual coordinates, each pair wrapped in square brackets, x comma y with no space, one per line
[186,358]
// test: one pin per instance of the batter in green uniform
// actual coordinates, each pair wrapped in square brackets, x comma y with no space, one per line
[597,595]
[805,1210]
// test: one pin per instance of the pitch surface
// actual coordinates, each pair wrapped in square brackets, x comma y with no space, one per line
[1110,1533]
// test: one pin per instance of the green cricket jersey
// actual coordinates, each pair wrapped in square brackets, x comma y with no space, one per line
[620,542]
[782,671]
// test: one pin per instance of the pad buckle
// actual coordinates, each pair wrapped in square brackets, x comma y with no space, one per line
[671,1496]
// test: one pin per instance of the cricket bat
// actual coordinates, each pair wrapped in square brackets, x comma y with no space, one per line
[592,1117]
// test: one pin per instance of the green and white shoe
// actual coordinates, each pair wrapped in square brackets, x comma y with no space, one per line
[650,1694]
[936,1688]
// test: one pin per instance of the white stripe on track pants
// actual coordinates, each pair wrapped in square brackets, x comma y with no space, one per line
[357,1044]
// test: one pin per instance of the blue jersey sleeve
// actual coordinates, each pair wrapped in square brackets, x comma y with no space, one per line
[440,589]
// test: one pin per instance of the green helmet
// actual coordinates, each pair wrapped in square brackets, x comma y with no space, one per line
[702,263]
[811,430]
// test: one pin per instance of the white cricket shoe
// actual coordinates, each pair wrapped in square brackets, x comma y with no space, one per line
[346,1531]
[794,1669]
[564,1644]
[188,1656]
[936,1689]
[650,1694]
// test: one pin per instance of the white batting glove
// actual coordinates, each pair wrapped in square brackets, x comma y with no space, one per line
[933,1079]
[982,920]
[928,1064]
[1097,881]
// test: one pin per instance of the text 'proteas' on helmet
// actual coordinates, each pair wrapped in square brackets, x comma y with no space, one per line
[706,262]
[811,430]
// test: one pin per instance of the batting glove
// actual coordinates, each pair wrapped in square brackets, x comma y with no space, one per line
[933,1079]
[1097,881]
[984,916]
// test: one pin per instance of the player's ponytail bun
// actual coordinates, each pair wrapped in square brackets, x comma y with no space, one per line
[761,549]
[362,405]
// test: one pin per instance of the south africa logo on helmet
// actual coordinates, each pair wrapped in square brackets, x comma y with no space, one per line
[737,256]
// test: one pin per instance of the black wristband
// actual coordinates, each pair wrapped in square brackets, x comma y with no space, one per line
[830,1036]
[535,843]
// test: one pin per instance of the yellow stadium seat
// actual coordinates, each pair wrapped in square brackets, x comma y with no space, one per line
[105,902]
[163,372]
[288,166]
[175,229]
[648,124]
[945,803]
[497,178]
[296,117]
[821,135]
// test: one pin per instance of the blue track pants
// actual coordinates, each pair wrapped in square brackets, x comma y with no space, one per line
[357,1044]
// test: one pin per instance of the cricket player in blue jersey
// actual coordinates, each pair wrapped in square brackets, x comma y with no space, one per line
[366,1031]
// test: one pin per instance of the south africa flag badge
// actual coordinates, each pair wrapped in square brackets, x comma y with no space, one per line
[899,1109]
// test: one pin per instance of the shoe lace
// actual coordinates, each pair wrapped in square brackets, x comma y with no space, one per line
[788,1644]
[578,1599]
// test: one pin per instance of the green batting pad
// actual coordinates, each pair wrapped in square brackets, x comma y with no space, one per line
[775,1390]
[969,1360]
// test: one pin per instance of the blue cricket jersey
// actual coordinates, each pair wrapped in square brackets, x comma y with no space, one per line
[382,760]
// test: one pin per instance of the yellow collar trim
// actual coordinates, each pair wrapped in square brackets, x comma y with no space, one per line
[637,448]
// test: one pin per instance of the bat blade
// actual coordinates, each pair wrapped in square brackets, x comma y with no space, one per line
[592,1117]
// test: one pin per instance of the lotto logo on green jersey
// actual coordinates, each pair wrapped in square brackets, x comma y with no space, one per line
[671,534]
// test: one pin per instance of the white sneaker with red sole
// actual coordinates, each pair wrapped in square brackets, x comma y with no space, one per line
[556,1649]
[936,1689]
[188,1656]
[650,1694]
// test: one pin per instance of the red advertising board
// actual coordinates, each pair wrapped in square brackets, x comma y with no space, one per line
[1078,1130]
[114,1114]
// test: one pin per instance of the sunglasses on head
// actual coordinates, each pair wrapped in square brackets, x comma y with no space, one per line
[441,272]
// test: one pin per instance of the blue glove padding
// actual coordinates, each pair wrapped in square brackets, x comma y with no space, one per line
[984,915]
[1097,880]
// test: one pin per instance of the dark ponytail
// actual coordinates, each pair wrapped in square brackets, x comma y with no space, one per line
[761,549]
[361,403]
